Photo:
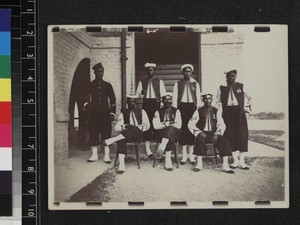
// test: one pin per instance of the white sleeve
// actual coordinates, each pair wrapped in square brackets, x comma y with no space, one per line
[218,102]
[139,89]
[247,98]
[192,124]
[178,120]
[220,125]
[157,124]
[198,96]
[120,123]
[145,122]
[162,88]
[175,95]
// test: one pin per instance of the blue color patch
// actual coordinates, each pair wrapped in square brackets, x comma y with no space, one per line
[5,21]
[5,45]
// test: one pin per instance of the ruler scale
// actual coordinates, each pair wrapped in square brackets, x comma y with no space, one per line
[29,108]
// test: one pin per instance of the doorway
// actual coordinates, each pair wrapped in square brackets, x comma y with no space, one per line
[78,124]
[169,50]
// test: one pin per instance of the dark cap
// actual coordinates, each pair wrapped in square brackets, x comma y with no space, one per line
[97,66]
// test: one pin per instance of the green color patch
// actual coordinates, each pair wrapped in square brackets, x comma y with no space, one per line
[5,66]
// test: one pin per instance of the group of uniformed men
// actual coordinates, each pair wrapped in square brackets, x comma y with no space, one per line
[184,118]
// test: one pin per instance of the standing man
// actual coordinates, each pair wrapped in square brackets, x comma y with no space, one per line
[150,89]
[101,105]
[208,127]
[167,121]
[132,122]
[187,98]
[232,98]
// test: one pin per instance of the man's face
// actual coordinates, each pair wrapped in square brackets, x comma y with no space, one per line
[207,99]
[167,101]
[99,72]
[150,71]
[187,72]
[131,103]
[230,77]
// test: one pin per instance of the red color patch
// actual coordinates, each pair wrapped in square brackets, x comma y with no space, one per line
[5,112]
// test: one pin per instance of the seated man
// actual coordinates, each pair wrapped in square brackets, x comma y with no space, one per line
[167,120]
[207,125]
[131,124]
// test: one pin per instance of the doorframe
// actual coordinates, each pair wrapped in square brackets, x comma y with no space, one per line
[199,61]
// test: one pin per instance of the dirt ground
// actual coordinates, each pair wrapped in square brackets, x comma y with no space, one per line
[100,182]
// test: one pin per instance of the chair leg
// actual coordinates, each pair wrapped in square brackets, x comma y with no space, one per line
[216,155]
[116,159]
[137,154]
[176,156]
[154,156]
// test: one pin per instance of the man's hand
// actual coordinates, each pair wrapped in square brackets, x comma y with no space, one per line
[215,138]
[111,117]
[202,134]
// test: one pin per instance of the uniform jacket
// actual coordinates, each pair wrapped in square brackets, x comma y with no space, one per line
[102,97]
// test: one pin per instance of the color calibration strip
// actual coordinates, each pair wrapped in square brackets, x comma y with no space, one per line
[5,114]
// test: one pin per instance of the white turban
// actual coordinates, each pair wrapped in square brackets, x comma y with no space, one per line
[187,65]
[167,94]
[150,65]
[229,70]
[132,96]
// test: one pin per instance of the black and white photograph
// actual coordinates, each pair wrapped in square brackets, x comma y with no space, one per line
[148,117]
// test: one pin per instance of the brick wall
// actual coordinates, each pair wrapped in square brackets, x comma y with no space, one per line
[68,52]
[219,51]
[69,49]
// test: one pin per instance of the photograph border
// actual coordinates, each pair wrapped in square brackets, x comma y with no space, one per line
[52,205]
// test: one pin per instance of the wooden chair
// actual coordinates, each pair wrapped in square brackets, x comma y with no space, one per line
[136,145]
[215,151]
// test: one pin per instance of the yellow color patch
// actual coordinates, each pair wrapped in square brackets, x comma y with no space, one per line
[5,90]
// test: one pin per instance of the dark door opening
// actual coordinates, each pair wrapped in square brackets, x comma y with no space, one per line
[78,130]
[169,50]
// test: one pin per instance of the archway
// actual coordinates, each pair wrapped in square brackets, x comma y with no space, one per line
[78,130]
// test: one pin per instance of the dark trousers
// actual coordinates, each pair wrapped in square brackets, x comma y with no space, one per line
[221,144]
[150,106]
[186,110]
[171,133]
[98,123]
[133,134]
[236,128]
